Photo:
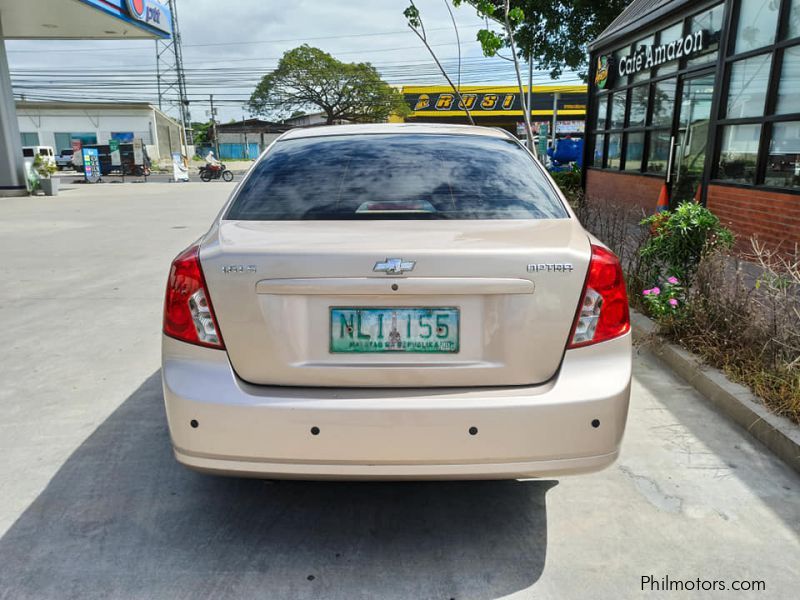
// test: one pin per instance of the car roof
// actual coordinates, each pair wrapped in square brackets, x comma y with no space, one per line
[393,128]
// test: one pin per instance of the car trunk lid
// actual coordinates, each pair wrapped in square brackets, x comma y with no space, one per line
[506,292]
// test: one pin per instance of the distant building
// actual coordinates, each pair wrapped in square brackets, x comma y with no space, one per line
[499,106]
[248,138]
[56,124]
[309,120]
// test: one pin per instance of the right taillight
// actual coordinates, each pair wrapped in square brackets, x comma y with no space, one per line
[188,314]
[603,313]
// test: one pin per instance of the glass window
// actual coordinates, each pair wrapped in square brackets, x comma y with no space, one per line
[783,163]
[29,139]
[87,138]
[63,141]
[658,154]
[738,153]
[634,148]
[670,34]
[617,120]
[758,21]
[597,159]
[644,74]
[794,19]
[396,176]
[663,102]
[601,111]
[614,146]
[710,21]
[619,55]
[789,86]
[747,87]
[638,112]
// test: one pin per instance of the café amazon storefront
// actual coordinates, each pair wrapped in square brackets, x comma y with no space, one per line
[705,97]
[500,106]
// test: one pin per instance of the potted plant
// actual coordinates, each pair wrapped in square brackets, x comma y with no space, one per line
[45,169]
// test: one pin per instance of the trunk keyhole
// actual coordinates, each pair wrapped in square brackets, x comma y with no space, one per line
[395,287]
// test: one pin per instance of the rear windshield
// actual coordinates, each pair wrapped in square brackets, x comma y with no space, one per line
[396,176]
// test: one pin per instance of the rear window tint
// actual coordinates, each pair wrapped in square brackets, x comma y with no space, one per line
[396,176]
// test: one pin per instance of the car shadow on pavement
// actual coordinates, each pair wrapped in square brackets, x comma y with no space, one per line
[121,519]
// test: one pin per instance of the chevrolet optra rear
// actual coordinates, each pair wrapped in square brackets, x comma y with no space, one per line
[396,301]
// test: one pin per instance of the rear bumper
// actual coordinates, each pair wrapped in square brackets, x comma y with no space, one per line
[397,433]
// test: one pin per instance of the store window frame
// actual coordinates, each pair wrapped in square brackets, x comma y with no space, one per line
[768,118]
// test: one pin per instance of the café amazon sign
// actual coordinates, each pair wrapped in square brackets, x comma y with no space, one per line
[428,101]
[647,57]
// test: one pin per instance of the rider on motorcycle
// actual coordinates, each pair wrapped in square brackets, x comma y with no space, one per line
[212,162]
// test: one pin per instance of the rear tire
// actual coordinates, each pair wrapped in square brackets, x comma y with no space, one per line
[205,176]
[227,175]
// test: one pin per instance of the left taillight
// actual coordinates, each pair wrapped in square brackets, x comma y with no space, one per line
[188,313]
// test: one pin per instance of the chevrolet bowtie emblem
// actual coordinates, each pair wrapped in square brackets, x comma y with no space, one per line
[394,266]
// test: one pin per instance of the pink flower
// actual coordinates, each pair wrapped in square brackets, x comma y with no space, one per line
[673,302]
[655,291]
[646,292]
[673,280]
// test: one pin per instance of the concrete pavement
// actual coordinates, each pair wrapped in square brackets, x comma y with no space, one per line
[94,506]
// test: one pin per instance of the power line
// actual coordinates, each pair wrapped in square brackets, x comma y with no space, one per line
[253,42]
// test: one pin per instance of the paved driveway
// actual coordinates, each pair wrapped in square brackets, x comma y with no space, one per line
[93,505]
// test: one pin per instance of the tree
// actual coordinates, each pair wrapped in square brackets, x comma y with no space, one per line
[416,25]
[307,77]
[555,33]
[202,133]
[510,18]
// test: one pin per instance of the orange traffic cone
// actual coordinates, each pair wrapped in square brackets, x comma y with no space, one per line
[698,195]
[663,199]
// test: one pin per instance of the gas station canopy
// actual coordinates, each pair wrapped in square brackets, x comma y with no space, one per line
[85,19]
[64,20]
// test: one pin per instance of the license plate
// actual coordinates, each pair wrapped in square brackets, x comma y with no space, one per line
[400,329]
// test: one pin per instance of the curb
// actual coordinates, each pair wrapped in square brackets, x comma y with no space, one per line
[777,433]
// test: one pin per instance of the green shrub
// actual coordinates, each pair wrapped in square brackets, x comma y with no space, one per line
[680,238]
[570,184]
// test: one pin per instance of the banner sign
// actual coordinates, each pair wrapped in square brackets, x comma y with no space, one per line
[76,152]
[543,139]
[147,15]
[490,102]
[180,171]
[116,156]
[138,151]
[647,57]
[91,165]
[152,13]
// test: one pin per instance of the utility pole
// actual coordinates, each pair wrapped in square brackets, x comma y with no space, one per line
[170,76]
[214,125]
[531,147]
[556,96]
[158,76]
[246,146]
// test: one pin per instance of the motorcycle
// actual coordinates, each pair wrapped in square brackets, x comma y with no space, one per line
[209,172]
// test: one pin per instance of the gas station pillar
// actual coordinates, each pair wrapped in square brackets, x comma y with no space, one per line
[12,169]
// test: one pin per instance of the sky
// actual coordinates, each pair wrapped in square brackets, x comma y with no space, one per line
[229,46]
